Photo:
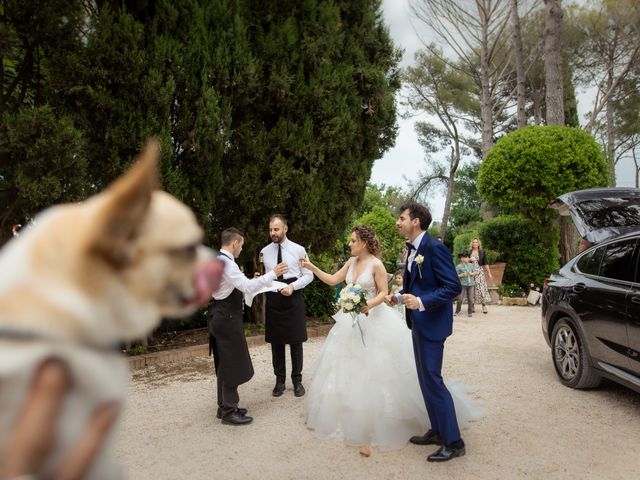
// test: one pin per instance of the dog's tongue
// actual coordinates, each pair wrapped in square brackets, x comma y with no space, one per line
[208,279]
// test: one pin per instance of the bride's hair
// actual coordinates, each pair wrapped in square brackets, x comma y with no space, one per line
[368,236]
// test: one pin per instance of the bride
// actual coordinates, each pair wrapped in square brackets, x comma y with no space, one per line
[365,387]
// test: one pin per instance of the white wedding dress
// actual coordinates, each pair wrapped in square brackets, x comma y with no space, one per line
[369,395]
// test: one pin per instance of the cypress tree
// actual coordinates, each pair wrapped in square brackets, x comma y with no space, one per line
[320,111]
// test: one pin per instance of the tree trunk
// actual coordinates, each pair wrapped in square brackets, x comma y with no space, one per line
[553,62]
[447,203]
[635,162]
[568,239]
[518,56]
[537,99]
[611,145]
[486,105]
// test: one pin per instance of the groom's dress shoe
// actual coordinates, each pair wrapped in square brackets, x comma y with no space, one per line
[298,390]
[429,438]
[240,410]
[278,390]
[236,418]
[447,452]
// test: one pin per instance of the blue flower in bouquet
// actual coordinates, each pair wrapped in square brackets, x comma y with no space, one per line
[352,298]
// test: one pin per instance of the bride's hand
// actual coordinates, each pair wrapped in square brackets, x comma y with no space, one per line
[305,263]
[365,309]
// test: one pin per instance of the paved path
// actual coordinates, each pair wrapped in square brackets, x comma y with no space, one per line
[534,429]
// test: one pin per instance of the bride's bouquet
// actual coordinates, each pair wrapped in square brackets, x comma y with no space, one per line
[352,298]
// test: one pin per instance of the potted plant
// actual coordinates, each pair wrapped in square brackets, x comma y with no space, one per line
[495,268]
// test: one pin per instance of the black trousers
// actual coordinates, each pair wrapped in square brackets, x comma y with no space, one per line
[228,397]
[279,363]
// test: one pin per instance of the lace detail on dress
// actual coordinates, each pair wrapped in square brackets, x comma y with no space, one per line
[365,279]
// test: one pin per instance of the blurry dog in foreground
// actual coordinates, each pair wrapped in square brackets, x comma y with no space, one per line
[88,277]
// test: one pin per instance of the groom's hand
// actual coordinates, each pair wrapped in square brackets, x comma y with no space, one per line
[390,300]
[410,301]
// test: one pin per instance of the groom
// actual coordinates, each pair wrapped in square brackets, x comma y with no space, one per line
[430,285]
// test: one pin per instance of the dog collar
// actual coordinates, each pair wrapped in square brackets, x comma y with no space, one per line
[27,336]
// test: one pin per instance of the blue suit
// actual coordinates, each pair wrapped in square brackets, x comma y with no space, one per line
[436,283]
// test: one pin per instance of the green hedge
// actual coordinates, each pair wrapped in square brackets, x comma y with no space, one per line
[461,243]
[530,250]
[319,297]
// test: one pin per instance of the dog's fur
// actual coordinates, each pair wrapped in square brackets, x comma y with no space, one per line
[89,276]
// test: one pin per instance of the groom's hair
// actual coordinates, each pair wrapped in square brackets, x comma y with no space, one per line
[229,235]
[418,211]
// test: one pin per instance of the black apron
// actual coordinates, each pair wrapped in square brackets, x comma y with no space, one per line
[285,317]
[228,343]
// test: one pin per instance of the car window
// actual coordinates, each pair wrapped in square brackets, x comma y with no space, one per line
[617,261]
[590,262]
[609,212]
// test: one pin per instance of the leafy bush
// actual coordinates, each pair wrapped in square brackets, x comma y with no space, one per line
[533,165]
[511,290]
[384,223]
[318,296]
[530,251]
[491,256]
[461,243]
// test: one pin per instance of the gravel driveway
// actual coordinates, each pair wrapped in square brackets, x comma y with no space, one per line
[535,428]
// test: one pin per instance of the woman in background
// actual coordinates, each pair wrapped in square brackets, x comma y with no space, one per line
[477,257]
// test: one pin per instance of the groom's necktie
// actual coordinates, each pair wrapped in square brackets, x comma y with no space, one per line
[410,247]
[279,260]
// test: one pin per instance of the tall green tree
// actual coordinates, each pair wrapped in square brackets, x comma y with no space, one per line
[41,151]
[446,96]
[466,202]
[321,111]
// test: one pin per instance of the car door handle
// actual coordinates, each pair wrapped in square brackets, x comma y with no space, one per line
[578,287]
[635,300]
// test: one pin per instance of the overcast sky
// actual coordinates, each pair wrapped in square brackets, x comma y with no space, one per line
[406,158]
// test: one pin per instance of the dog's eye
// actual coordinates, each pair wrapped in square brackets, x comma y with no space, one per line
[188,252]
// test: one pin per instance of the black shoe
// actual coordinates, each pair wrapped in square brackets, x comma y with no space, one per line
[235,418]
[447,452]
[278,389]
[240,410]
[298,390]
[429,438]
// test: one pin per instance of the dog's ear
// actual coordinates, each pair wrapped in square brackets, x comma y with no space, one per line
[127,204]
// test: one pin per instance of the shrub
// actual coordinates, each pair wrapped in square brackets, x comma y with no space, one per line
[461,243]
[530,166]
[384,223]
[319,297]
[530,251]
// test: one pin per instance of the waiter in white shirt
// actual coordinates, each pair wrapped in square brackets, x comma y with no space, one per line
[285,315]
[227,341]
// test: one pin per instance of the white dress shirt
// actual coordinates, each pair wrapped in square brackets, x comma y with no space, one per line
[412,255]
[291,255]
[234,278]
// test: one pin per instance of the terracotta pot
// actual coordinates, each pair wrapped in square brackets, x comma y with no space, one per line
[497,272]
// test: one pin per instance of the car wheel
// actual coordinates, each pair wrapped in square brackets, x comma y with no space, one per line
[571,356]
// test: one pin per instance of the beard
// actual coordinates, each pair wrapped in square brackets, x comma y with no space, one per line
[277,238]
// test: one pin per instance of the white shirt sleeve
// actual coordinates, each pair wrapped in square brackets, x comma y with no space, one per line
[244,284]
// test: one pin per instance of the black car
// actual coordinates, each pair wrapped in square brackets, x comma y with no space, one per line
[591,306]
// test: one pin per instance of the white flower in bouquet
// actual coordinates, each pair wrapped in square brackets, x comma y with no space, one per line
[352,299]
